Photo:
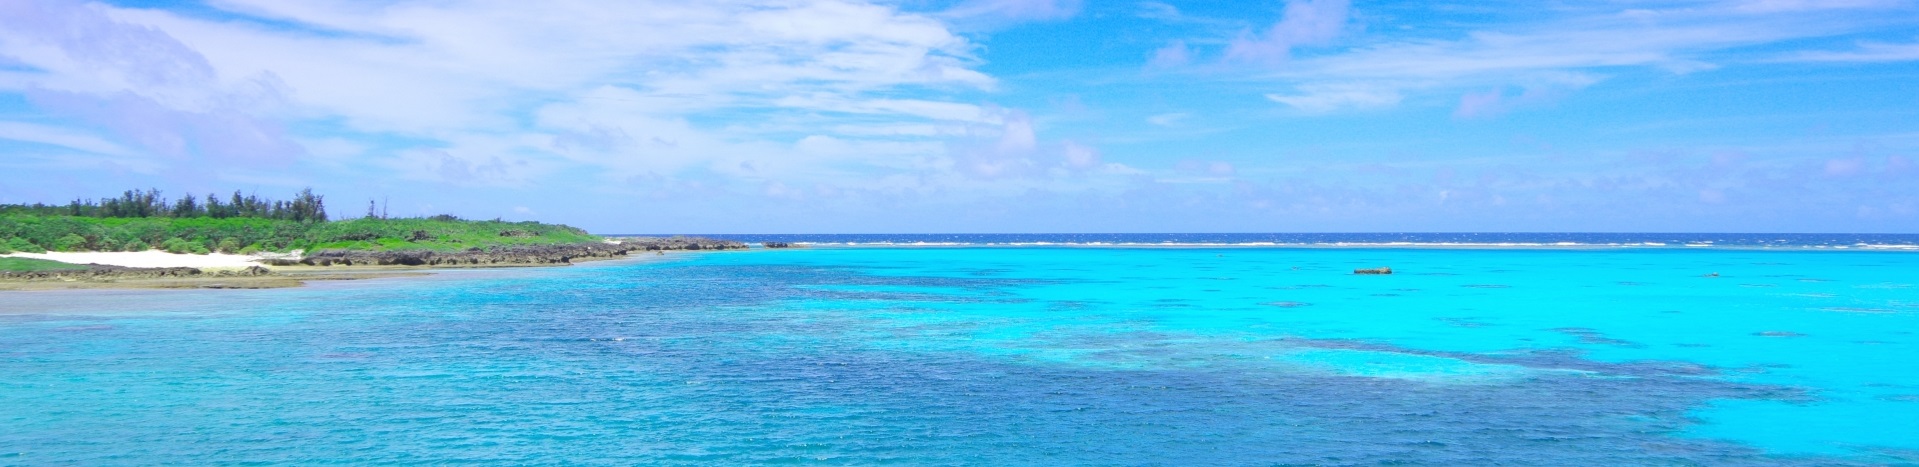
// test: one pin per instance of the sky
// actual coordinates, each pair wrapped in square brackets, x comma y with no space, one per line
[923,116]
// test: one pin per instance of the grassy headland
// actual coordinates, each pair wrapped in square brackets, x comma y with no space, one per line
[139,221]
[33,265]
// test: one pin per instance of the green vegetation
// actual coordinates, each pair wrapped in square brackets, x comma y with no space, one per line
[30,264]
[305,207]
[138,221]
[10,245]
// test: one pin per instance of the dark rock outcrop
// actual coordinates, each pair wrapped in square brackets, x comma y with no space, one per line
[679,243]
[515,254]
[508,254]
[1373,271]
[101,272]
[776,245]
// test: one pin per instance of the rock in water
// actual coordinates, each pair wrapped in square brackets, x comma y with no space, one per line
[775,244]
[1373,271]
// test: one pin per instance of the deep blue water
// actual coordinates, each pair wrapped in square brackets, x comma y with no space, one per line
[997,355]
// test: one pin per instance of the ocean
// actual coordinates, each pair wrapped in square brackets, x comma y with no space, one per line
[1045,349]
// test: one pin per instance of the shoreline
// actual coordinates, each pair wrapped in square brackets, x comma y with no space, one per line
[280,277]
[155,269]
[276,280]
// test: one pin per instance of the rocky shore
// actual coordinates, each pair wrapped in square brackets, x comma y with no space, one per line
[509,255]
[98,272]
[677,243]
[99,276]
[292,272]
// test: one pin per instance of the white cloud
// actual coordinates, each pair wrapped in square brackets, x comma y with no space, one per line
[1779,6]
[484,92]
[1172,55]
[935,110]
[1014,10]
[1321,98]
[1080,156]
[1168,119]
[423,67]
[1159,11]
[1017,136]
[1867,52]
[899,129]
[58,136]
[1540,91]
[141,85]
[1587,43]
[1305,22]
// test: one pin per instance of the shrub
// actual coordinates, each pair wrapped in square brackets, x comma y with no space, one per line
[228,245]
[70,242]
[4,249]
[106,244]
[176,245]
[250,250]
[136,246]
[197,248]
[21,244]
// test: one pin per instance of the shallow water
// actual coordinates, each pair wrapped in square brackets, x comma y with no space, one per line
[997,356]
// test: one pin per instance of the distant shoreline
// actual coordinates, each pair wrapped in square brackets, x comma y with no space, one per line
[281,277]
[155,269]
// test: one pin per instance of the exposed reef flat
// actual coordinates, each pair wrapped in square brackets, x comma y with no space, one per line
[348,265]
[509,255]
[97,276]
[677,243]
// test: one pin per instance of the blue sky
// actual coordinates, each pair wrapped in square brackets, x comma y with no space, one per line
[987,115]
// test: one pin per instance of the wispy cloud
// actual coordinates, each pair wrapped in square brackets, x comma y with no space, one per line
[1172,55]
[999,12]
[1785,6]
[1159,11]
[1866,52]
[1321,98]
[494,91]
[59,136]
[1305,22]
[143,85]
[1168,119]
[869,111]
[1588,42]
[1498,101]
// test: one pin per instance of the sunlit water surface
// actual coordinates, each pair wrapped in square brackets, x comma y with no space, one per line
[981,355]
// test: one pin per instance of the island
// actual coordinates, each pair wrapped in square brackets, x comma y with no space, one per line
[142,239]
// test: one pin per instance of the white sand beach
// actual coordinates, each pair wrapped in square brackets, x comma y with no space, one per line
[147,259]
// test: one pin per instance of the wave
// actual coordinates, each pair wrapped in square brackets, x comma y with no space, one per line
[1872,242]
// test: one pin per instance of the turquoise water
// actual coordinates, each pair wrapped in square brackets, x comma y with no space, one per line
[980,355]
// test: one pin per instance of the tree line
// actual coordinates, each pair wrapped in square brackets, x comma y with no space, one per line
[145,220]
[304,207]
